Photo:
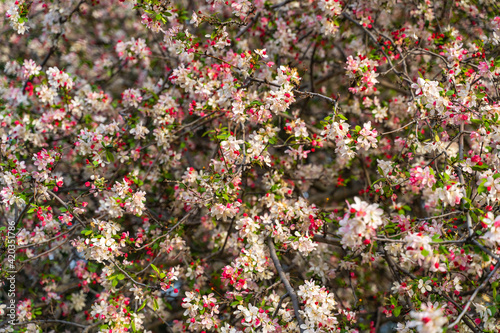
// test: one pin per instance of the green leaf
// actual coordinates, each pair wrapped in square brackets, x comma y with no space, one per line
[109,156]
[397,311]
[235,303]
[155,268]
[493,310]
[425,253]
[142,306]
[480,167]
[443,249]
[155,304]
[120,276]
[341,116]
[474,216]
[497,62]
[450,92]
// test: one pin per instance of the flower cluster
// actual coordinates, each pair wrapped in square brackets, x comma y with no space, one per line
[363,70]
[360,223]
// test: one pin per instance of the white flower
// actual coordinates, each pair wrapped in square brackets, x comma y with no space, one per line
[304,244]
[78,300]
[385,166]
[492,236]
[429,320]
[419,86]
[367,218]
[261,53]
[59,79]
[483,311]
[99,309]
[424,286]
[456,283]
[46,94]
[14,17]
[135,205]
[30,68]
[298,153]
[367,137]
[225,211]
[195,20]
[139,131]
[131,97]
[402,328]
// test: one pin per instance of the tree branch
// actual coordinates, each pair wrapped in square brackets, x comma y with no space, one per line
[285,281]
[464,311]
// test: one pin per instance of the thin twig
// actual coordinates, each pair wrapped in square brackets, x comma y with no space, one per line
[279,304]
[193,211]
[285,281]
[55,196]
[128,276]
[464,311]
